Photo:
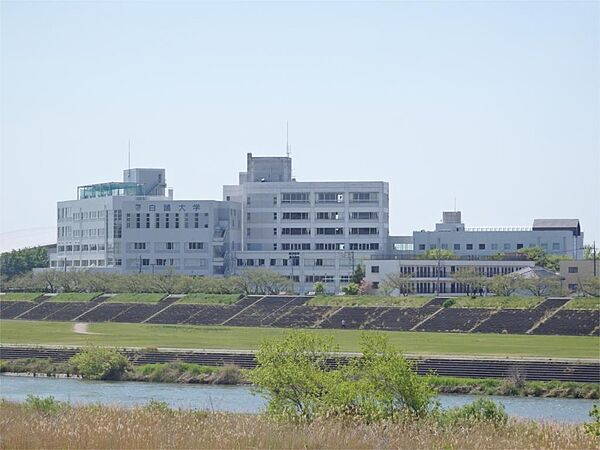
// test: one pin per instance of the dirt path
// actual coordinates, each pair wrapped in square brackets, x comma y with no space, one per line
[81,328]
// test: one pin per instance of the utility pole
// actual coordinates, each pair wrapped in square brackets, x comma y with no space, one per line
[140,264]
[594,256]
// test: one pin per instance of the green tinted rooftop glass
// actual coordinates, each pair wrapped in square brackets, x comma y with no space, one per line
[116,189]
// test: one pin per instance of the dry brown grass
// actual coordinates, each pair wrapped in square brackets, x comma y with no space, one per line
[104,427]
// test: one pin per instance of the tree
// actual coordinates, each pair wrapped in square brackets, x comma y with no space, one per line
[589,285]
[262,281]
[470,278]
[319,288]
[17,262]
[401,282]
[541,286]
[541,258]
[439,253]
[588,252]
[351,289]
[505,285]
[49,279]
[358,275]
[99,363]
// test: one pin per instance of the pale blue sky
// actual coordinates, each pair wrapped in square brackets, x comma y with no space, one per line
[494,103]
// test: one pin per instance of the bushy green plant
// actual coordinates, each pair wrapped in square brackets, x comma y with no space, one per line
[481,410]
[44,405]
[593,427]
[99,363]
[319,288]
[351,289]
[295,375]
[448,303]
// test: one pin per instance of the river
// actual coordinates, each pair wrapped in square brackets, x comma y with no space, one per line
[242,399]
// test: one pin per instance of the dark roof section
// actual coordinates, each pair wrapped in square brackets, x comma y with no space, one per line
[557,224]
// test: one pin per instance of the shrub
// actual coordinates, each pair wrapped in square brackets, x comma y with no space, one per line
[448,303]
[319,288]
[351,289]
[381,384]
[481,410]
[45,405]
[593,427]
[97,363]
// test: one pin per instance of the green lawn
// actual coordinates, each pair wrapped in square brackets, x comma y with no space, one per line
[136,298]
[210,299]
[239,338]
[496,302]
[20,296]
[584,303]
[368,300]
[75,296]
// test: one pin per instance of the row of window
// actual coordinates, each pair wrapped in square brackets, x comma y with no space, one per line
[165,220]
[77,263]
[92,215]
[166,246]
[293,260]
[322,231]
[443,272]
[329,246]
[327,197]
[187,262]
[80,247]
[324,215]
[555,246]
[88,232]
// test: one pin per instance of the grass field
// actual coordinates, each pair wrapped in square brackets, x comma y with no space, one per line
[75,296]
[584,303]
[496,302]
[210,299]
[412,301]
[136,298]
[19,296]
[240,338]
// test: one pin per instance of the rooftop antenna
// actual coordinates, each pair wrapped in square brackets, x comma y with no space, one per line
[287,139]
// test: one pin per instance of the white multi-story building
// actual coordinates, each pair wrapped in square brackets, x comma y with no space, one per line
[309,231]
[131,226]
[556,236]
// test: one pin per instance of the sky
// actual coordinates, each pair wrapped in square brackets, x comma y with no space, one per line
[492,105]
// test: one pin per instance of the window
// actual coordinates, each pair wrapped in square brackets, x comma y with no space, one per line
[139,246]
[147,220]
[364,230]
[330,197]
[161,262]
[157,220]
[494,246]
[481,246]
[364,246]
[274,231]
[506,246]
[519,246]
[169,245]
[196,220]
[354,215]
[374,269]
[176,220]
[330,231]
[323,246]
[445,246]
[456,246]
[375,285]
[295,197]
[272,262]
[128,220]
[195,245]
[145,262]
[295,231]
[167,217]
[294,216]
[555,246]
[288,246]
[138,220]
[421,246]
[469,246]
[274,216]
[573,269]
[364,197]
[328,216]
[572,287]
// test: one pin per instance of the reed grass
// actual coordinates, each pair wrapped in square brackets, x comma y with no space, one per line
[85,427]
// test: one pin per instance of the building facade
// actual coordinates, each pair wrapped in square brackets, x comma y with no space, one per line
[433,276]
[555,236]
[322,229]
[575,272]
[133,227]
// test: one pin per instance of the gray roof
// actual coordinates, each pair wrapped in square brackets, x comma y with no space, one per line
[555,223]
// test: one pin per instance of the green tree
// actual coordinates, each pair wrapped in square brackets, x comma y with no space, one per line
[471,278]
[319,288]
[292,372]
[99,363]
[17,262]
[262,281]
[439,253]
[589,285]
[588,252]
[541,258]
[401,282]
[542,286]
[505,285]
[351,289]
[358,274]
